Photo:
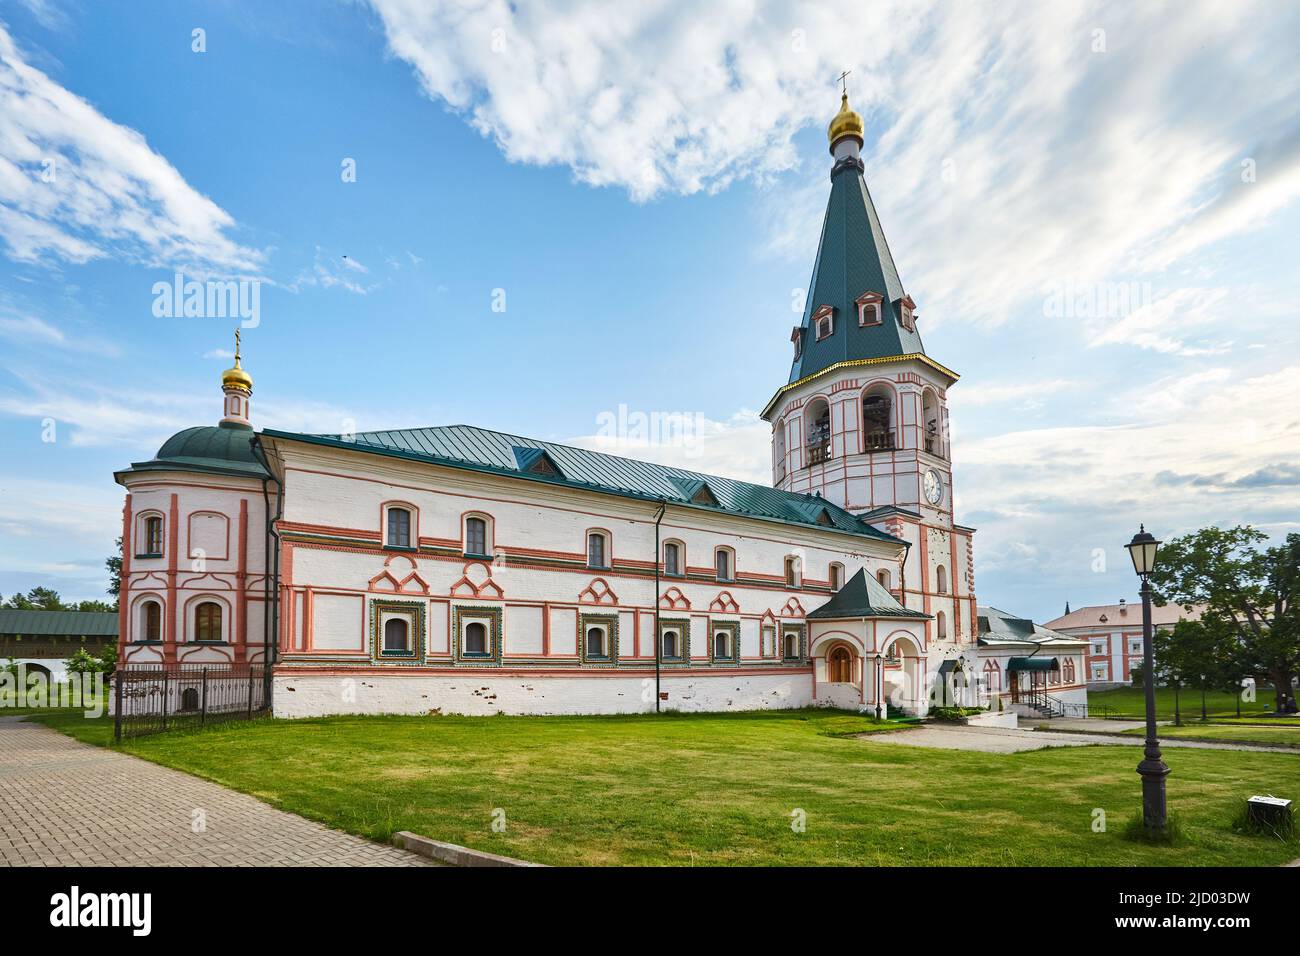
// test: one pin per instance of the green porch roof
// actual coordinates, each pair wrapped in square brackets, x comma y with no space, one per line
[479,449]
[862,596]
[1032,664]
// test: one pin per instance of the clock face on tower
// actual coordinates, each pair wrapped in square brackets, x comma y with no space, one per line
[932,485]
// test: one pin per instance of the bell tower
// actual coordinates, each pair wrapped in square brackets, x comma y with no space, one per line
[863,418]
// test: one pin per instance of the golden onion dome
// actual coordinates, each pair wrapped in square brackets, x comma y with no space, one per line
[236,377]
[846,123]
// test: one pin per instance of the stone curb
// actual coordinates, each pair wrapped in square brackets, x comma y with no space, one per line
[452,854]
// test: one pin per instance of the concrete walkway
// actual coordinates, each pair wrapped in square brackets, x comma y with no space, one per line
[65,803]
[1004,740]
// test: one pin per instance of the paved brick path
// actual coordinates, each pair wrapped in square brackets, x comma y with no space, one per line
[1004,740]
[65,803]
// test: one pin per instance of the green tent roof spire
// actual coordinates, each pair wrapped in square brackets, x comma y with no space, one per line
[853,262]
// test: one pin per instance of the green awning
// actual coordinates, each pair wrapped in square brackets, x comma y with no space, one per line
[1033,664]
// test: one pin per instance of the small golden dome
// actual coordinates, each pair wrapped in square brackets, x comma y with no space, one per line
[236,377]
[846,123]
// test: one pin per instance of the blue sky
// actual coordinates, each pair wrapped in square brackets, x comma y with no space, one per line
[645,192]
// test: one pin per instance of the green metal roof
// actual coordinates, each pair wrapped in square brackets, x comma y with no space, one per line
[862,597]
[852,258]
[59,623]
[215,449]
[1032,664]
[479,449]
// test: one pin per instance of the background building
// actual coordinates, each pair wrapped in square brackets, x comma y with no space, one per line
[1114,636]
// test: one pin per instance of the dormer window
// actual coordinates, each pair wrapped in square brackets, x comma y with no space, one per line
[869,312]
[796,336]
[823,321]
[907,313]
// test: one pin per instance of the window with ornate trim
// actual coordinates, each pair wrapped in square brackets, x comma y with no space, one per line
[724,644]
[723,563]
[670,644]
[398,522]
[597,642]
[823,321]
[207,621]
[153,535]
[796,337]
[672,558]
[790,645]
[597,550]
[476,536]
[907,313]
[150,621]
[475,641]
[397,634]
[769,641]
[869,312]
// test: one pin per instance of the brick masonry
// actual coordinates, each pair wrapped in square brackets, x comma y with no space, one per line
[65,803]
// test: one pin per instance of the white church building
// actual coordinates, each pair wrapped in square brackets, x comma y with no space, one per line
[456,569]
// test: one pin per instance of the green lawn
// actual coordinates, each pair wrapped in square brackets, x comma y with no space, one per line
[720,789]
[1241,733]
[1131,702]
[9,708]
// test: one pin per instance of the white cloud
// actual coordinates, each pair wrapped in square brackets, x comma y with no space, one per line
[108,193]
[734,448]
[331,271]
[1025,394]
[1013,151]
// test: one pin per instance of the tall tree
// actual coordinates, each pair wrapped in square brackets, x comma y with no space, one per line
[114,565]
[37,599]
[1250,592]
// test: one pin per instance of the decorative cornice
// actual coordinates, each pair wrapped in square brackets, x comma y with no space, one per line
[859,363]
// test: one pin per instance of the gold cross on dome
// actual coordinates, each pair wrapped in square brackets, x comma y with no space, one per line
[843,81]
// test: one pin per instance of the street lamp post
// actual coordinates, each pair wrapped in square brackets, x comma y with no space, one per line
[880,686]
[1142,549]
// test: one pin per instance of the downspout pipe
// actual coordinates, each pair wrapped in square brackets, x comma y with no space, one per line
[271,579]
[659,517]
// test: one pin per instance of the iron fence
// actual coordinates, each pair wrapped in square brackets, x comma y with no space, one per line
[153,700]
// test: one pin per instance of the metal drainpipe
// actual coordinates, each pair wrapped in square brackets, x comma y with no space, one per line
[271,586]
[659,516]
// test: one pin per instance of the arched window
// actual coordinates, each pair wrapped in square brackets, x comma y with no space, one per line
[672,558]
[722,562]
[399,528]
[941,579]
[877,419]
[596,551]
[792,572]
[596,642]
[476,638]
[769,641]
[1069,670]
[779,449]
[992,675]
[396,630]
[818,441]
[207,621]
[790,646]
[476,536]
[837,575]
[931,424]
[190,698]
[941,626]
[153,535]
[669,645]
[152,621]
[883,577]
